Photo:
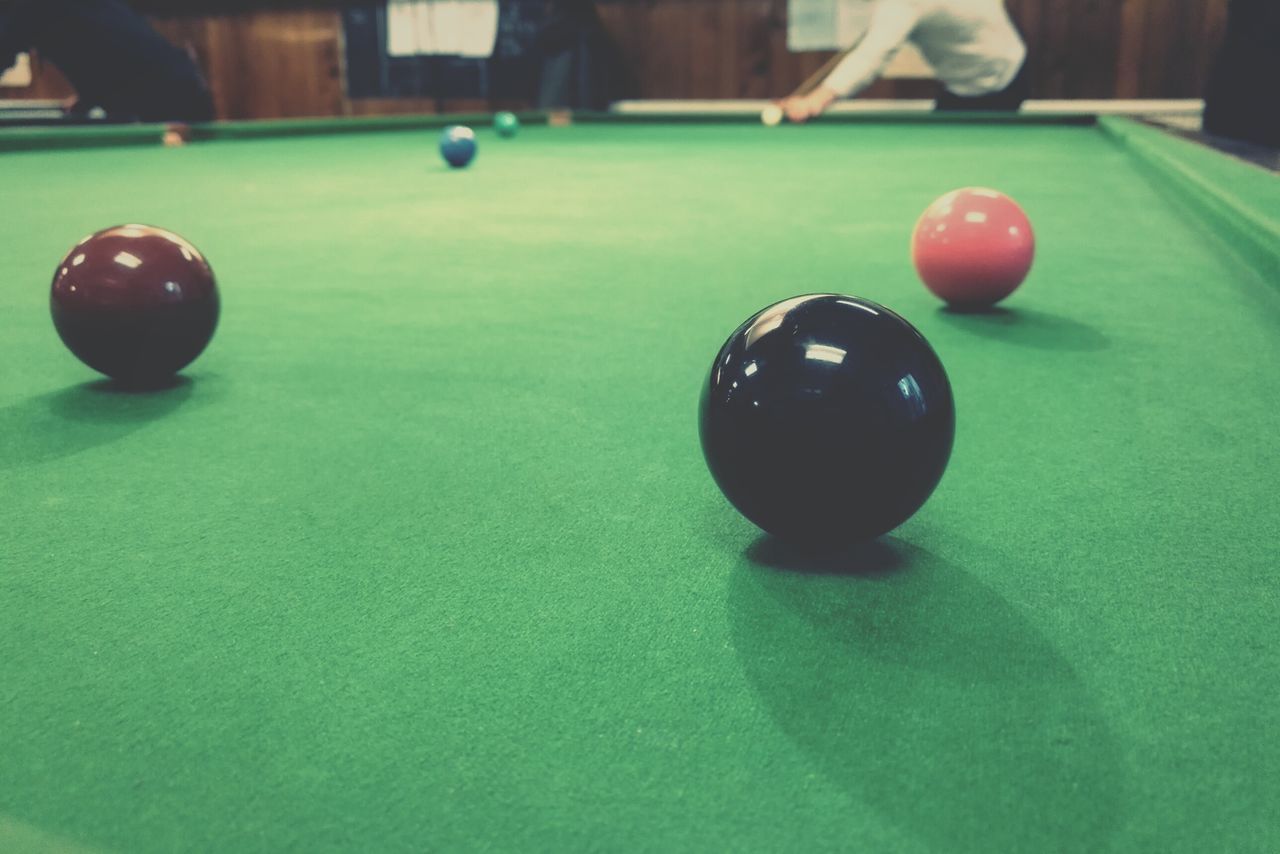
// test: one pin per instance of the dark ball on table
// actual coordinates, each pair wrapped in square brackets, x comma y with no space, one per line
[134,302]
[827,420]
[506,124]
[458,145]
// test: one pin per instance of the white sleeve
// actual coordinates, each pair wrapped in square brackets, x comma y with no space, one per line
[891,23]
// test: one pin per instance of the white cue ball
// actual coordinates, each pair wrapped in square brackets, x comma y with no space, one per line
[772,115]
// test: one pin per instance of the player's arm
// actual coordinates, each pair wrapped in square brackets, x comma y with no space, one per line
[891,23]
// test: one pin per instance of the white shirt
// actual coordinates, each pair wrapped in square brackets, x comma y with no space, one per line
[971,44]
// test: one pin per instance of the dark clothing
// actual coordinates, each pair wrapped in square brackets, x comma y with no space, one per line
[1007,100]
[112,57]
[581,63]
[1243,97]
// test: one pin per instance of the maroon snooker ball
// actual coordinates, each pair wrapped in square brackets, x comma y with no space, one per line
[134,302]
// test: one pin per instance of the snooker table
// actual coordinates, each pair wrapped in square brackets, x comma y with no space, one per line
[422,553]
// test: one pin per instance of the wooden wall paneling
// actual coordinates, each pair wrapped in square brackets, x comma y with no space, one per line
[1183,39]
[267,64]
[773,45]
[1213,26]
[1129,52]
[705,48]
[1048,59]
[191,34]
[1092,43]
[463,105]
[691,48]
[188,33]
[669,38]
[1178,62]
[291,63]
[904,88]
[625,23]
[754,56]
[612,17]
[728,84]
[652,56]
[423,106]
[657,48]
[636,32]
[1158,26]
[223,70]
[1026,17]
[1194,47]
[209,38]
[1200,46]
[389,106]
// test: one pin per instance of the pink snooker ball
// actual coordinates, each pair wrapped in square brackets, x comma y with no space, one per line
[973,247]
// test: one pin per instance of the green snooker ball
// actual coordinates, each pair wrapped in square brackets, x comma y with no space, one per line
[506,124]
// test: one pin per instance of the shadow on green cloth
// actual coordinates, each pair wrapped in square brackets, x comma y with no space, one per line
[53,425]
[1026,328]
[926,696]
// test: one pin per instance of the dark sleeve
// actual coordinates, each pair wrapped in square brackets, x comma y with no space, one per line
[114,58]
[15,37]
[25,24]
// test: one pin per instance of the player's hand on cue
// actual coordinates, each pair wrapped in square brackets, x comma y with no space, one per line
[801,108]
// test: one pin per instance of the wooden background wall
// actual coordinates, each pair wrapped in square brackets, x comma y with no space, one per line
[273,61]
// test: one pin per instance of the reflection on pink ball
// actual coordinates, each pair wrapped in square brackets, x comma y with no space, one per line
[973,247]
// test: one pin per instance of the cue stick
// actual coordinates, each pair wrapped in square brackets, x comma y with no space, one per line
[813,80]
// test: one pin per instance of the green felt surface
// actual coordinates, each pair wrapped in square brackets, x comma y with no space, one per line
[423,554]
[1238,200]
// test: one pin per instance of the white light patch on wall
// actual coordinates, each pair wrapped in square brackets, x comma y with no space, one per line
[466,28]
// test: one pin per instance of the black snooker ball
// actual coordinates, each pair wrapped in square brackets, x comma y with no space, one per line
[134,302]
[827,420]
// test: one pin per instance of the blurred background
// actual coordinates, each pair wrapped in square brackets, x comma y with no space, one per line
[266,59]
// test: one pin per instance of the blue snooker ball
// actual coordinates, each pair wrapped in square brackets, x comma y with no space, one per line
[458,145]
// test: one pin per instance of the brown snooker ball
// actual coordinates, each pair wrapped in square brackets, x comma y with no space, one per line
[135,302]
[176,134]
